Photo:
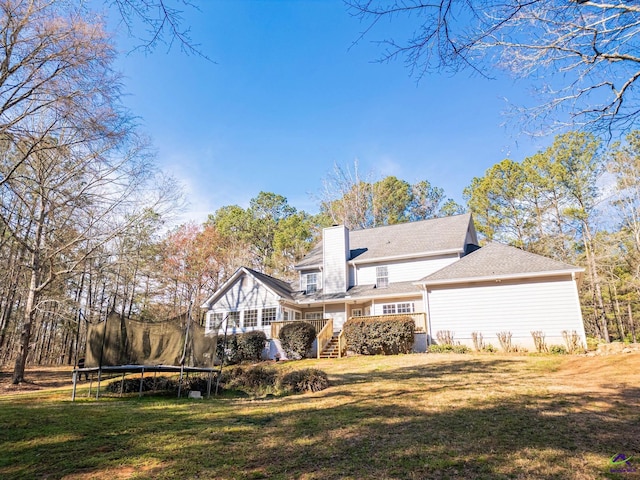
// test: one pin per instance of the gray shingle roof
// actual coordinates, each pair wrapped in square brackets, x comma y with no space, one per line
[498,260]
[360,291]
[438,234]
[282,288]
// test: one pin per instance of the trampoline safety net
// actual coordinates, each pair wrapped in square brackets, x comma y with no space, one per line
[119,341]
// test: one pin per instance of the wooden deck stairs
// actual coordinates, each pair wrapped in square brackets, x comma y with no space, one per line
[331,349]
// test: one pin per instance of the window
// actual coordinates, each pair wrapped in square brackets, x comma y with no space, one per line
[405,308]
[389,309]
[393,308]
[356,312]
[313,316]
[382,277]
[234,319]
[285,315]
[268,315]
[298,316]
[251,318]
[312,282]
[215,320]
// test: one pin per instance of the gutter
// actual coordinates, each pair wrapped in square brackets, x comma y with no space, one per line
[499,278]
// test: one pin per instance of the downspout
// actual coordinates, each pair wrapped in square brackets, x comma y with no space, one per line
[425,296]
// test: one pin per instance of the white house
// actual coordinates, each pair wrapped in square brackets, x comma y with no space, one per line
[432,270]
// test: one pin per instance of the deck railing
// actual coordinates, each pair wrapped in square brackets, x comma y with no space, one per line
[342,344]
[324,336]
[318,324]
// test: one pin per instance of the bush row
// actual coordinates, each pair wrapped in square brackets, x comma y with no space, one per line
[373,336]
[257,380]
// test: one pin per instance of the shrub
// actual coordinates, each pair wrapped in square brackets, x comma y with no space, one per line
[227,351]
[505,341]
[250,380]
[538,341]
[307,380]
[243,347]
[490,348]
[592,343]
[297,339]
[437,348]
[251,345]
[149,384]
[386,335]
[447,348]
[445,337]
[261,380]
[557,350]
[478,341]
[572,341]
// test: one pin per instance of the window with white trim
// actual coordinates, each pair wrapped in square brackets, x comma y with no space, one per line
[382,277]
[215,320]
[356,312]
[311,282]
[251,318]
[234,319]
[405,307]
[393,308]
[268,315]
[285,315]
[313,316]
[298,316]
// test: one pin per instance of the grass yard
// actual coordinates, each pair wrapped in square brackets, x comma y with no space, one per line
[398,417]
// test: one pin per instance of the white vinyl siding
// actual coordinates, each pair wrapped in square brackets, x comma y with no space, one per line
[245,293]
[335,244]
[337,313]
[520,307]
[404,271]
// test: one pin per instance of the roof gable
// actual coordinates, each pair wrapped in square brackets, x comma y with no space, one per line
[402,240]
[496,260]
[277,287]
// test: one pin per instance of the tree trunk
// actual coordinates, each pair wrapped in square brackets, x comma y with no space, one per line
[29,314]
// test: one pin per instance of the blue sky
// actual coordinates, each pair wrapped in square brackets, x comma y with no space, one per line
[290,95]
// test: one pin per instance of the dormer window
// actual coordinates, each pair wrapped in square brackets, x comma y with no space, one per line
[311,282]
[382,277]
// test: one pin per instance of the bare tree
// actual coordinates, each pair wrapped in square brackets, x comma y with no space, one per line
[155,22]
[73,173]
[583,53]
[346,197]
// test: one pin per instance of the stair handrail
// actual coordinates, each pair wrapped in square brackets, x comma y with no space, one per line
[324,336]
[342,343]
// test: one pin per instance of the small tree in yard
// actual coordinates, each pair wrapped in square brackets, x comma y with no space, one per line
[297,338]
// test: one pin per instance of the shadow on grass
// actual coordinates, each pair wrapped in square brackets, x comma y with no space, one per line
[402,433]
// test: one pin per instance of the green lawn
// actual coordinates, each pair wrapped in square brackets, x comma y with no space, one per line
[404,417]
